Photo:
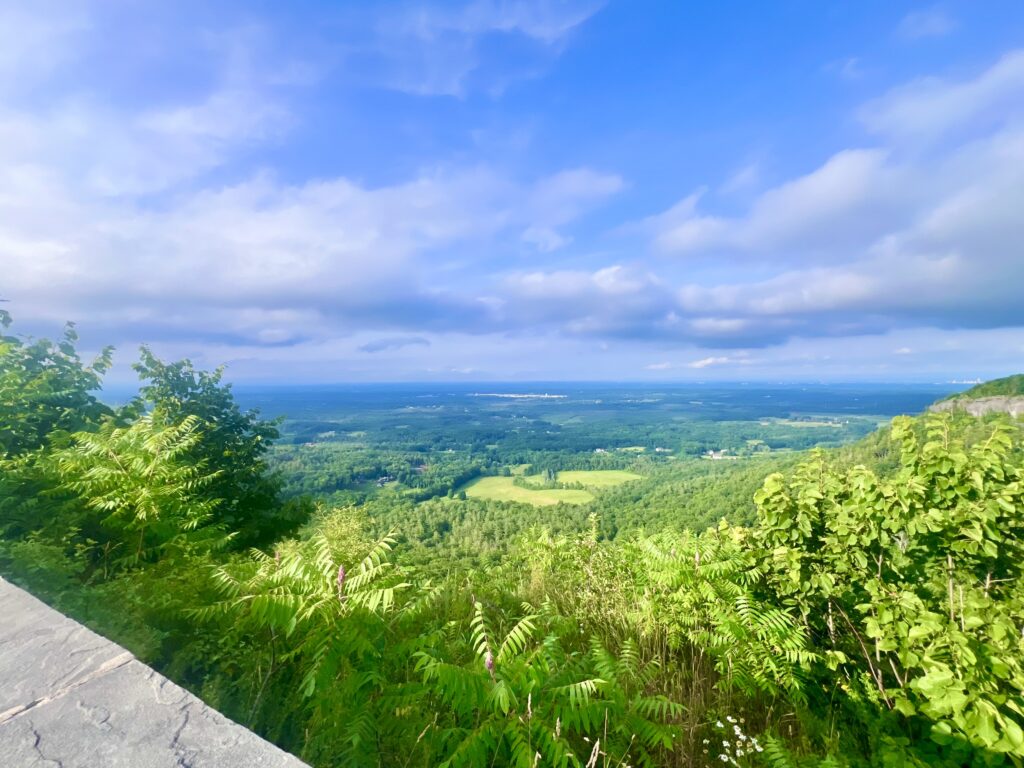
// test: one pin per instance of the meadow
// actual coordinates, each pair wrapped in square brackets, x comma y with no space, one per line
[504,489]
[531,489]
[596,478]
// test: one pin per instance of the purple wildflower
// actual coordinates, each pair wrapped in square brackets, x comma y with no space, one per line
[341,582]
[489,662]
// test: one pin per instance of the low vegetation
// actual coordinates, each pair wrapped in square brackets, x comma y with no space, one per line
[862,607]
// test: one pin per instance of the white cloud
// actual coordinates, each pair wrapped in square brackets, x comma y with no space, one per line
[707,362]
[851,68]
[35,39]
[930,108]
[854,192]
[92,146]
[746,178]
[931,22]
[112,213]
[393,343]
[441,51]
[331,247]
[139,220]
[562,197]
[541,20]
[544,239]
[871,240]
[860,198]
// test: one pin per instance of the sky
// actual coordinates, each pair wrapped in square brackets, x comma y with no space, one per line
[521,190]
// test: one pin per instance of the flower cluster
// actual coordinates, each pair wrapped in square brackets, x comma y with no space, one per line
[735,743]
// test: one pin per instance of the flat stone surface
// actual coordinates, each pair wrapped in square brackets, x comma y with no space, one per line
[72,699]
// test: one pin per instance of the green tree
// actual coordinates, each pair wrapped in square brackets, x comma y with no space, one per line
[45,389]
[46,393]
[139,493]
[233,444]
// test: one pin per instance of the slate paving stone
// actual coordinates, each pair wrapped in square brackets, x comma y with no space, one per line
[72,699]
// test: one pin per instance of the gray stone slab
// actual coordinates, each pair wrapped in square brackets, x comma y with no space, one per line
[70,698]
[42,651]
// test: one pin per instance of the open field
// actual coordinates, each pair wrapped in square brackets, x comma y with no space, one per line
[503,489]
[598,478]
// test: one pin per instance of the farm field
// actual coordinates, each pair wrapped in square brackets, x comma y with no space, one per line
[597,478]
[503,489]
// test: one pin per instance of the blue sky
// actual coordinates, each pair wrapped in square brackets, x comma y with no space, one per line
[327,191]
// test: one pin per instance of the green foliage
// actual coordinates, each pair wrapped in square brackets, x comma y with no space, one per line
[1008,386]
[379,671]
[233,443]
[45,390]
[140,492]
[865,609]
[911,584]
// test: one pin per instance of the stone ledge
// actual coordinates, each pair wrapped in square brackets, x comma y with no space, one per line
[980,406]
[72,699]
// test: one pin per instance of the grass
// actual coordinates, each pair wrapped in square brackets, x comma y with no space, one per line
[597,478]
[503,489]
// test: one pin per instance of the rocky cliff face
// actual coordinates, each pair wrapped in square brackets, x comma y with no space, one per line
[981,405]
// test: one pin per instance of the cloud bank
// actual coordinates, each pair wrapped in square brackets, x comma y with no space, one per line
[160,218]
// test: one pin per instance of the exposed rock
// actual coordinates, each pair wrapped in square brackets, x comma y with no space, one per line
[71,699]
[979,406]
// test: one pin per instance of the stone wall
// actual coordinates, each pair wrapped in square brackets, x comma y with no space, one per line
[72,699]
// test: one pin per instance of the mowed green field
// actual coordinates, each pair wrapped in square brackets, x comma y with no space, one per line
[597,478]
[503,488]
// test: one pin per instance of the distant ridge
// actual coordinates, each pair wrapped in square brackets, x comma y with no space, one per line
[1008,386]
[1005,395]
